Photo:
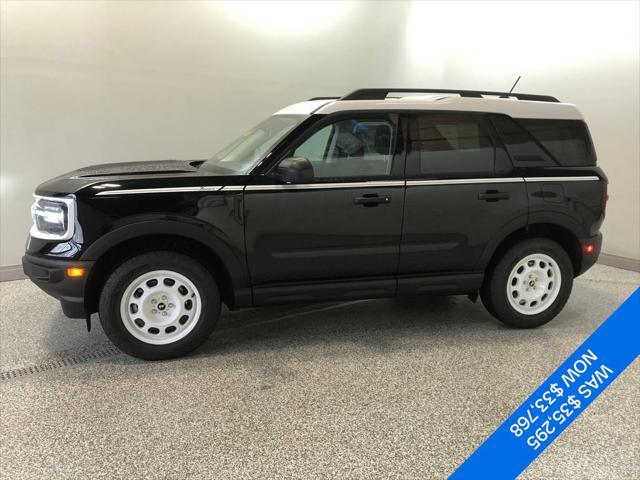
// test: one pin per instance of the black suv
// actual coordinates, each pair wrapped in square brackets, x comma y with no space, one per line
[368,195]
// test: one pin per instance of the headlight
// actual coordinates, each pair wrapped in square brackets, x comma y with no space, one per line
[53,218]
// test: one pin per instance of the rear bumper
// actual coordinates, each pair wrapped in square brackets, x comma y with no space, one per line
[50,275]
[589,259]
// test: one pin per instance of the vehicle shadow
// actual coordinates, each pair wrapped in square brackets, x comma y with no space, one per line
[378,325]
[384,324]
[375,324]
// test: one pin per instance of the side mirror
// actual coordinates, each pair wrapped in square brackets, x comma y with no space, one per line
[294,170]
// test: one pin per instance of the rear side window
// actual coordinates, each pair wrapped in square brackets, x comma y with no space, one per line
[449,145]
[542,143]
[567,140]
[523,149]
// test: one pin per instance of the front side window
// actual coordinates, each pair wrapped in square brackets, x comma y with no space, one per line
[241,155]
[443,144]
[354,147]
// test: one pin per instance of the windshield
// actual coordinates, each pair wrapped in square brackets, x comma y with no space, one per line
[242,154]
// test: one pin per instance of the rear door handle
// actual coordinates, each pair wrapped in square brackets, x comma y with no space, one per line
[371,200]
[493,196]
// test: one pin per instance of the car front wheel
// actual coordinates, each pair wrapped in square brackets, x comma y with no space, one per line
[159,305]
[530,284]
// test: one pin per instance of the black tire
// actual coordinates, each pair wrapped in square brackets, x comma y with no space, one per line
[494,290]
[132,269]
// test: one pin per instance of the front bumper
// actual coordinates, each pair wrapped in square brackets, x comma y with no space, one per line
[51,276]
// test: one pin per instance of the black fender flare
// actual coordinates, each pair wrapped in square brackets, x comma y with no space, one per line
[232,259]
[555,219]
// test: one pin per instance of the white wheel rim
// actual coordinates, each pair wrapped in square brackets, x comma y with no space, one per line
[534,284]
[160,307]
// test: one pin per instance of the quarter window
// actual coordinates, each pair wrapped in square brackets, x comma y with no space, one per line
[522,147]
[356,147]
[567,140]
[449,145]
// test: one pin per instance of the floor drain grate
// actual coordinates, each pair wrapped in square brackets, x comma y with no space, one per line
[66,361]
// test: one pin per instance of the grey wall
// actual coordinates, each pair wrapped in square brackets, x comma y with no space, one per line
[90,82]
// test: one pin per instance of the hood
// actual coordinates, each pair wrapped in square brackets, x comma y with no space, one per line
[129,172]
[136,168]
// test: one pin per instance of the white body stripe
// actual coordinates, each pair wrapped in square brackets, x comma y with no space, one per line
[464,181]
[333,185]
[562,179]
[160,190]
[317,186]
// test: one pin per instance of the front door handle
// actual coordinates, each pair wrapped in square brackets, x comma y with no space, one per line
[493,196]
[371,200]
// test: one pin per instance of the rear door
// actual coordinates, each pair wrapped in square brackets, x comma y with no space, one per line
[345,225]
[461,194]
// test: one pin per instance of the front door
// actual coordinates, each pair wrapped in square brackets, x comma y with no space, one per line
[461,194]
[338,235]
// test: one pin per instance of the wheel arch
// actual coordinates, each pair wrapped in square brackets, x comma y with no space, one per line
[567,238]
[125,242]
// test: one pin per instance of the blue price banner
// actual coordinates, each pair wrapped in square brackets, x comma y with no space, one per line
[560,399]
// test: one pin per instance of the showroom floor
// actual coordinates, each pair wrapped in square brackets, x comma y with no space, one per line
[394,388]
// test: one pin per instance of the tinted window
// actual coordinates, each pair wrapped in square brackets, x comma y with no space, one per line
[521,146]
[350,148]
[449,144]
[567,140]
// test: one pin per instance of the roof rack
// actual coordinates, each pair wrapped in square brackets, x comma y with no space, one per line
[381,94]
[323,98]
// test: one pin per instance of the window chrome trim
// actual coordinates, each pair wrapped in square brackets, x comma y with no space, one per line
[70,202]
[464,181]
[233,188]
[319,186]
[161,190]
[562,179]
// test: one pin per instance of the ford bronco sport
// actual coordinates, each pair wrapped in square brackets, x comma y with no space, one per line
[368,195]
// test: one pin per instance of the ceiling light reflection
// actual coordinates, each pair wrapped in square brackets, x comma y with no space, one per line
[285,17]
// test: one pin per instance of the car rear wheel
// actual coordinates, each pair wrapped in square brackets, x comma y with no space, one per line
[159,305]
[530,284]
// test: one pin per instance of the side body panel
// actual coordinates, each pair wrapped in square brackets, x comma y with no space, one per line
[322,234]
[324,239]
[447,226]
[569,197]
[451,218]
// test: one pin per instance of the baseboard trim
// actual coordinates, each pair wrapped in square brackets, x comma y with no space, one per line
[14,272]
[619,262]
[11,272]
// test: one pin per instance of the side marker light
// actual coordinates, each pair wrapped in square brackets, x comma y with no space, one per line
[75,272]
